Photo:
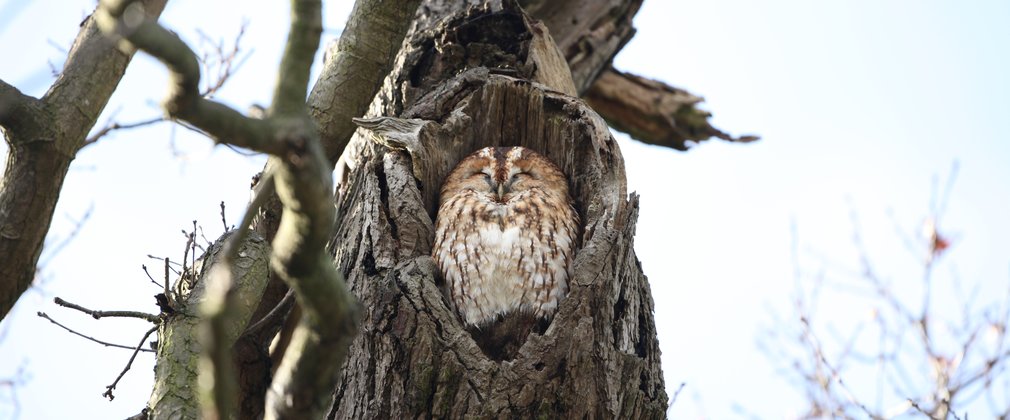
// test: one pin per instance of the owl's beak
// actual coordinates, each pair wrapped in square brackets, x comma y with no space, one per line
[501,191]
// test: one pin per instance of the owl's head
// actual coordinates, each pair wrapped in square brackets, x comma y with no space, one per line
[500,173]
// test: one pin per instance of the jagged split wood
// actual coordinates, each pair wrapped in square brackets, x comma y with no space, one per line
[654,112]
[464,84]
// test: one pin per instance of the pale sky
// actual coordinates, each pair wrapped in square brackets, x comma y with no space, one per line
[860,105]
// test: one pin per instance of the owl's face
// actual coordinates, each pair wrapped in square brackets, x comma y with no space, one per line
[501,174]
[505,235]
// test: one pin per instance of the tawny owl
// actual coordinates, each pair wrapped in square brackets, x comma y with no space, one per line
[505,235]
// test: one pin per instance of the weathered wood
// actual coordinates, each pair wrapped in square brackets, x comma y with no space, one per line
[463,85]
[588,33]
[654,112]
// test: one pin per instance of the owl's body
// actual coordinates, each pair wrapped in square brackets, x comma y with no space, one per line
[505,235]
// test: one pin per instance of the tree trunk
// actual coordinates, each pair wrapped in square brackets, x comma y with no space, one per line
[487,77]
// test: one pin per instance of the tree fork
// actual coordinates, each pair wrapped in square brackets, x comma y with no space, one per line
[44,136]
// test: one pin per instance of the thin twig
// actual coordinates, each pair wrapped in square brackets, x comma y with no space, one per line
[280,310]
[194,245]
[205,240]
[235,242]
[110,127]
[835,375]
[226,62]
[224,221]
[138,349]
[675,393]
[12,384]
[168,292]
[104,343]
[185,252]
[149,275]
[111,314]
[55,250]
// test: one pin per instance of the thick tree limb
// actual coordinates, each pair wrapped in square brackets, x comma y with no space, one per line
[356,66]
[303,41]
[180,338]
[652,111]
[44,136]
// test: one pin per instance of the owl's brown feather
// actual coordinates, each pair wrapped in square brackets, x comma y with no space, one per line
[505,236]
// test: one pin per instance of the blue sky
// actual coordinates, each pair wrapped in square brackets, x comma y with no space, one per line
[860,105]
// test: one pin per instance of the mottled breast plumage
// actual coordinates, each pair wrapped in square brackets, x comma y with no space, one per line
[505,235]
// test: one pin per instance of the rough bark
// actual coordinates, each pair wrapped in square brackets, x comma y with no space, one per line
[179,339]
[591,33]
[353,70]
[463,84]
[44,136]
[588,33]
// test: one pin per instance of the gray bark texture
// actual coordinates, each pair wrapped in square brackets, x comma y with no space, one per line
[179,337]
[484,77]
[44,136]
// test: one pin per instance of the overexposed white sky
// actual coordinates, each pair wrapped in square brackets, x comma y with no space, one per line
[860,104]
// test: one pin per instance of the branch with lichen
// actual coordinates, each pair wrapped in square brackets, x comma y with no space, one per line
[301,175]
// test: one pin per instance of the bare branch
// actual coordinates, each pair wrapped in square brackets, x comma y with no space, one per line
[275,314]
[113,126]
[933,371]
[111,314]
[303,41]
[138,349]
[13,383]
[144,267]
[166,283]
[224,221]
[355,68]
[226,62]
[104,343]
[53,251]
[220,122]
